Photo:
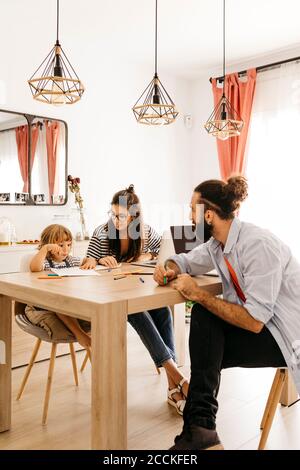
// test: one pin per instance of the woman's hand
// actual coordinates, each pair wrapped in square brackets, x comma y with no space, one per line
[144,257]
[161,275]
[88,263]
[187,286]
[108,261]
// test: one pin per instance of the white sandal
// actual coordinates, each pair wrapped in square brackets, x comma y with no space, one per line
[180,385]
[178,405]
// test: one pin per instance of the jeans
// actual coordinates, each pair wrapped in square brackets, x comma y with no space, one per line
[215,345]
[155,329]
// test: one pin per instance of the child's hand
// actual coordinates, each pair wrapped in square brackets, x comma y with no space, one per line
[54,249]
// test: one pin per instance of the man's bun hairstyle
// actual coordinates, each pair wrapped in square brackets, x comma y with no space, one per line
[223,197]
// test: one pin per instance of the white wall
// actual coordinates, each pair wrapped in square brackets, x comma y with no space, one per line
[204,149]
[108,150]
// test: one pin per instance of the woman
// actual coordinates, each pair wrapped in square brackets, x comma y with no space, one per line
[125,238]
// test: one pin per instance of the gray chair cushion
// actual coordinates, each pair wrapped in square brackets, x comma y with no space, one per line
[39,332]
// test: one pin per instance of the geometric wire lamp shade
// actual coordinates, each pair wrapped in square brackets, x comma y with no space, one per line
[155,106]
[224,122]
[56,82]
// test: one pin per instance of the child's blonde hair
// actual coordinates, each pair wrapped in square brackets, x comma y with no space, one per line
[55,233]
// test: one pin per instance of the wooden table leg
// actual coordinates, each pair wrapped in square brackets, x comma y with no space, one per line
[109,377]
[289,393]
[5,362]
[179,332]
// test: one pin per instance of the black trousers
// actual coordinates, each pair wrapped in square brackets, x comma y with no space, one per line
[215,345]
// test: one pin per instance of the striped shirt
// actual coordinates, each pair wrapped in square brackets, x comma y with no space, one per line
[69,262]
[99,244]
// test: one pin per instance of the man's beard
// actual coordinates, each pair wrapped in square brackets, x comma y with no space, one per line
[208,229]
[203,231]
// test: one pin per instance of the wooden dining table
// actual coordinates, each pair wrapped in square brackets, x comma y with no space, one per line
[105,302]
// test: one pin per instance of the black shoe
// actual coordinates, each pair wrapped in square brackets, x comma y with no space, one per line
[197,438]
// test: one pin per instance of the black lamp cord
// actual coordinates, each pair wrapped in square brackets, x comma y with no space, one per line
[223,48]
[155,38]
[57,21]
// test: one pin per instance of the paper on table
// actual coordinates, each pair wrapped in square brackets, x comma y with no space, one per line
[74,272]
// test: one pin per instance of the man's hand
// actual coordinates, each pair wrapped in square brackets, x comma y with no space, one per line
[88,263]
[162,276]
[188,287]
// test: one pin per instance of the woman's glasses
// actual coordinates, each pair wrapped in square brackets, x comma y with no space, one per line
[120,217]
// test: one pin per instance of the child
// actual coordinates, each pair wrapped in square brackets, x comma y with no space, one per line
[54,252]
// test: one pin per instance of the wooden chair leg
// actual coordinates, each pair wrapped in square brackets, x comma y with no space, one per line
[289,393]
[49,382]
[268,419]
[73,357]
[86,357]
[270,399]
[89,353]
[29,367]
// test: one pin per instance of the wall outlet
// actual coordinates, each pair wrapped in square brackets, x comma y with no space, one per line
[188,121]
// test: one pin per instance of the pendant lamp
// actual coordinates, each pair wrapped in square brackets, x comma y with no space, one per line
[155,106]
[224,121]
[55,81]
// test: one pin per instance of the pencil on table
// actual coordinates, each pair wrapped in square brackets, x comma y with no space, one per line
[50,277]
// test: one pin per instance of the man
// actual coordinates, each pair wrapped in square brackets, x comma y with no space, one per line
[256,324]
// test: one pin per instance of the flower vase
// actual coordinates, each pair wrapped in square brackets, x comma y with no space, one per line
[84,232]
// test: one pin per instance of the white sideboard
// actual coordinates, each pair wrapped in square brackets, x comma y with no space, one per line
[10,256]
[22,343]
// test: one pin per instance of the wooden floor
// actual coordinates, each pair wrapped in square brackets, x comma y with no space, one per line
[152,423]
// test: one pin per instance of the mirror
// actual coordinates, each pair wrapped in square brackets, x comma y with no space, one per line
[12,180]
[37,144]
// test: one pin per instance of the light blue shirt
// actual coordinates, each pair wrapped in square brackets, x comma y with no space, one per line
[269,277]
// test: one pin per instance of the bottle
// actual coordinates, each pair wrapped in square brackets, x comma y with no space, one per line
[7,231]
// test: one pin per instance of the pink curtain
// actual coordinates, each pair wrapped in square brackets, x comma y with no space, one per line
[22,145]
[34,140]
[52,136]
[231,152]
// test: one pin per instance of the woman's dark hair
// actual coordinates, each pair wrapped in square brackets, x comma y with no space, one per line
[127,198]
[223,198]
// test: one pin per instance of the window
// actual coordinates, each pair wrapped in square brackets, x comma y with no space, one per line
[273,168]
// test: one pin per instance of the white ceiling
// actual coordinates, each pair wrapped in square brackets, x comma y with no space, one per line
[190,31]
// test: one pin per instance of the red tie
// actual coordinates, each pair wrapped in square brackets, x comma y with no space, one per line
[235,281]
